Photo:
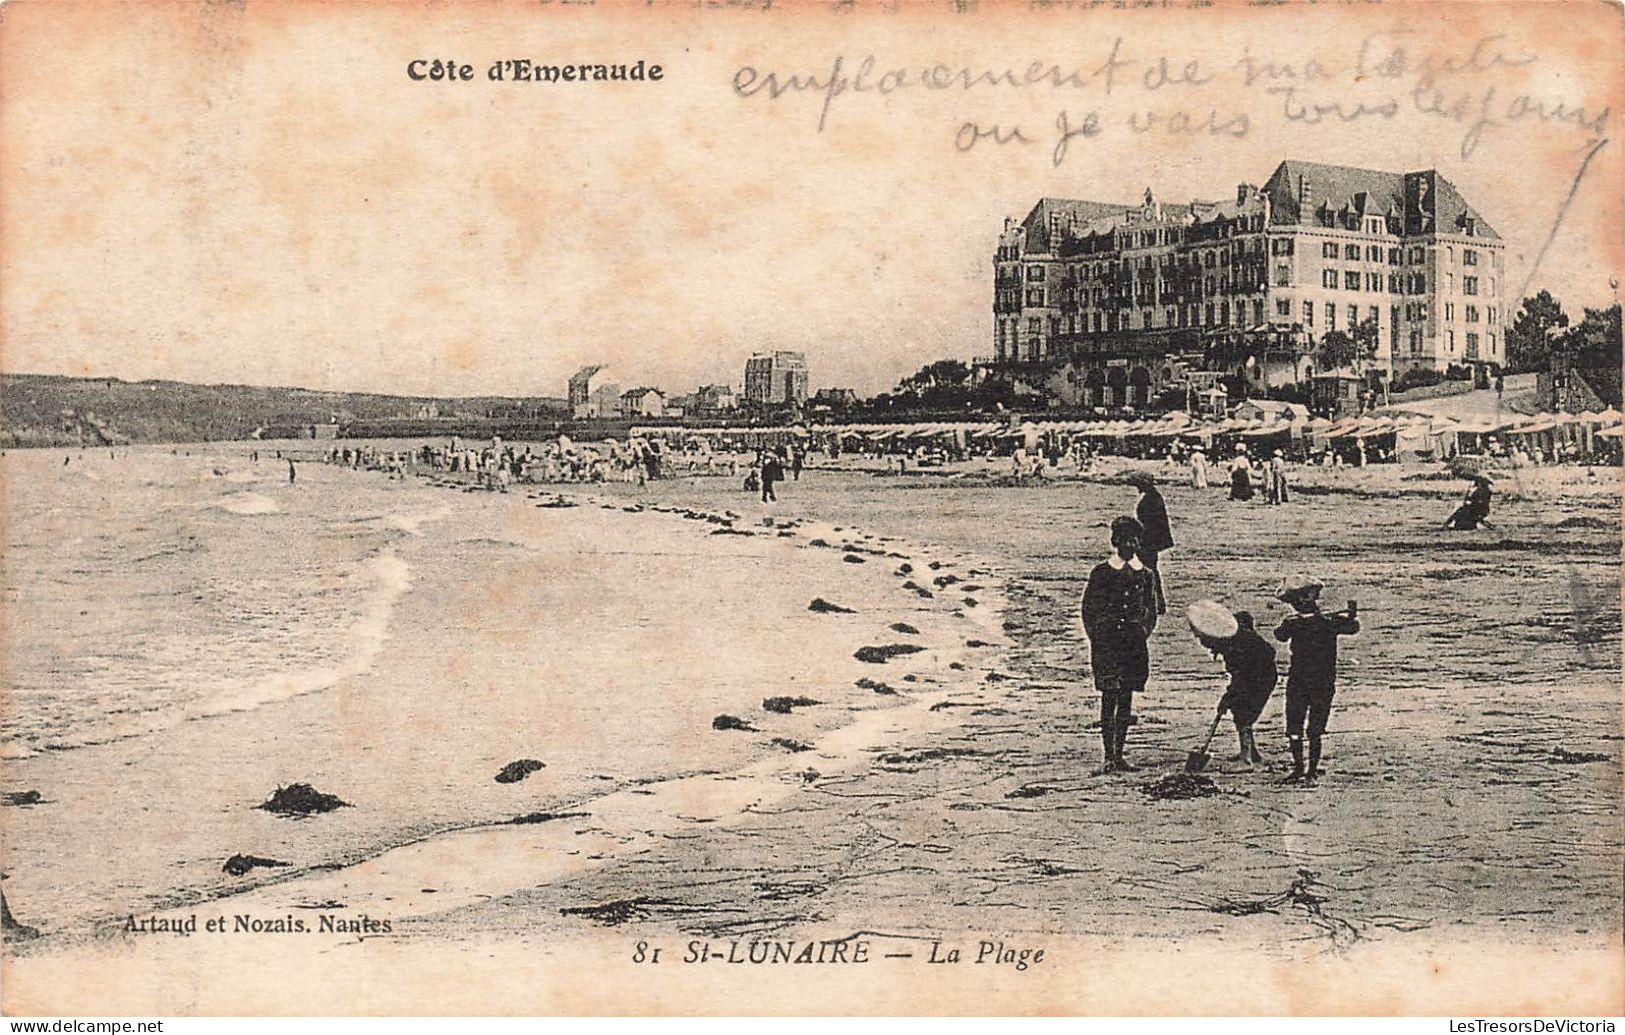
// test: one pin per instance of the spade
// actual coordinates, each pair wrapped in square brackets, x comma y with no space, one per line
[1197,760]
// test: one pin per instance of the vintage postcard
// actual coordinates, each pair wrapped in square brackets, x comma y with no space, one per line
[968,508]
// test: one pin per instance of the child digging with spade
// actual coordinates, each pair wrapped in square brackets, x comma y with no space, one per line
[1251,664]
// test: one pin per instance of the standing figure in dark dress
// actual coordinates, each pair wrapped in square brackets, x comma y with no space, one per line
[1152,513]
[1119,613]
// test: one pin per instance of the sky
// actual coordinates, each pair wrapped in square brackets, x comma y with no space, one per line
[261,193]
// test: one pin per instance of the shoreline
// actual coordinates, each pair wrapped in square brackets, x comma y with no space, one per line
[850,712]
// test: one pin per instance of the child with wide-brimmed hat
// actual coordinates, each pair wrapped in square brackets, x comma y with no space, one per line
[1311,679]
[1251,664]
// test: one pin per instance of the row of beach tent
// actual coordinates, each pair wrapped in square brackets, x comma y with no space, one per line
[1606,424]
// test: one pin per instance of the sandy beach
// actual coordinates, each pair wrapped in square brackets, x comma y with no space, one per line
[948,794]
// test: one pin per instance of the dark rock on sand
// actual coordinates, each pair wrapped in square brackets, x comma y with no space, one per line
[238,865]
[301,799]
[731,722]
[730,531]
[852,558]
[791,745]
[880,655]
[876,685]
[782,705]
[824,607]
[817,542]
[24,798]
[547,817]
[905,569]
[904,628]
[513,772]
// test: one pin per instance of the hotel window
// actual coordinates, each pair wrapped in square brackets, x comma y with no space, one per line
[1309,314]
[1224,312]
[1469,285]
[1450,340]
[1373,253]
[1351,280]
[1373,281]
[1393,256]
[1469,257]
[1375,316]
[1393,283]
[1351,251]
[1035,273]
[1491,315]
[1054,326]
[1283,307]
[1449,311]
[1283,275]
[1032,326]
[1449,283]
[1328,250]
[1416,340]
[1145,319]
[1421,310]
[1416,256]
[1492,285]
[1472,345]
[1331,316]
[1489,340]
[1419,283]
[1472,314]
[1258,311]
[1281,246]
[1354,317]
[1328,278]
[1207,315]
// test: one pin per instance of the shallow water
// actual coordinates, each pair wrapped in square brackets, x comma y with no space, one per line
[162,586]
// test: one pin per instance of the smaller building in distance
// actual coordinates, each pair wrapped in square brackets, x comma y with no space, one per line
[643,402]
[594,392]
[710,400]
[776,379]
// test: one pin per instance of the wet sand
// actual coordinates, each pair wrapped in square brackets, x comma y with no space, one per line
[1472,799]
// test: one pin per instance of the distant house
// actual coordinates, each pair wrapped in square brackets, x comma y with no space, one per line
[835,398]
[1273,411]
[713,399]
[1335,395]
[643,402]
[593,392]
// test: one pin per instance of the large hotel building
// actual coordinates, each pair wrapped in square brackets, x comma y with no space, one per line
[1129,294]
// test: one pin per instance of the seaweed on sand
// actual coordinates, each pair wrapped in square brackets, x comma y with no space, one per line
[791,745]
[731,722]
[547,817]
[880,655]
[1180,787]
[824,607]
[301,799]
[865,683]
[621,911]
[783,705]
[515,771]
[238,865]
[904,628]
[24,798]
[1566,757]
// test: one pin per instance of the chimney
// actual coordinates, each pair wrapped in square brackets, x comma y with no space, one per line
[1243,192]
[1009,223]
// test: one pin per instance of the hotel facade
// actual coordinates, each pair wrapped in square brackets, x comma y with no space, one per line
[1115,301]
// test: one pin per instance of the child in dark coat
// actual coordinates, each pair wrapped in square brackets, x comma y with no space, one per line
[1311,679]
[1119,612]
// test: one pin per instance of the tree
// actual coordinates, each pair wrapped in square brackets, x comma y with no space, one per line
[944,373]
[1337,350]
[1529,340]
